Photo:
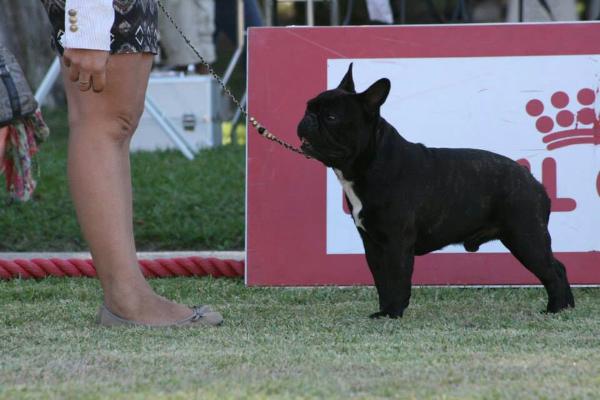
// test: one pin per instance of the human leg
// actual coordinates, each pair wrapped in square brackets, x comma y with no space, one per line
[101,126]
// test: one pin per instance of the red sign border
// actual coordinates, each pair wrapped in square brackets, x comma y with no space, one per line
[285,194]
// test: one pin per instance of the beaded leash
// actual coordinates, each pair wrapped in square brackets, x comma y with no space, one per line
[264,132]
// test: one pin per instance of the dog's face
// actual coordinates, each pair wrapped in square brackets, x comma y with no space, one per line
[339,124]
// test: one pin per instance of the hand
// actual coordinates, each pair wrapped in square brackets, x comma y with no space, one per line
[88,67]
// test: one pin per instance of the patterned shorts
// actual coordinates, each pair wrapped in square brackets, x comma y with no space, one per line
[135,29]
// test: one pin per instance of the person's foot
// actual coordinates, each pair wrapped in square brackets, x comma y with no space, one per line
[146,307]
[202,316]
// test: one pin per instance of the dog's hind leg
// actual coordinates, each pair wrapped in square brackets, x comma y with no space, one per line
[562,273]
[530,244]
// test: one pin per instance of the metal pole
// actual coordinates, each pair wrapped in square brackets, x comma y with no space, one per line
[48,81]
[348,16]
[310,12]
[274,16]
[402,11]
[234,59]
[268,10]
[464,11]
[241,42]
[520,10]
[168,127]
[335,13]
[593,9]
[240,23]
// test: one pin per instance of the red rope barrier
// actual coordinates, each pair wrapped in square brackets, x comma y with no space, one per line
[38,268]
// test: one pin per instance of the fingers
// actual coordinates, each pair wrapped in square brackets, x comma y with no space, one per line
[87,68]
[99,81]
[85,81]
[66,59]
[73,72]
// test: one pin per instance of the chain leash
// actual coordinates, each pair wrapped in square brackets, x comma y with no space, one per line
[264,132]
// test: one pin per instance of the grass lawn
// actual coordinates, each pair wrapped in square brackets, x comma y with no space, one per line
[300,343]
[179,204]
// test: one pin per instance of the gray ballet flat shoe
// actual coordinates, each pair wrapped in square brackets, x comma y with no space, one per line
[201,316]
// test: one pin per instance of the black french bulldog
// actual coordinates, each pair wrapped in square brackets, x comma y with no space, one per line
[407,199]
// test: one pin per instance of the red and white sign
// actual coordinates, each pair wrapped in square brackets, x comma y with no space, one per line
[529,91]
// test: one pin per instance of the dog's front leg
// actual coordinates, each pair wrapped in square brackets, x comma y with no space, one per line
[395,284]
[392,268]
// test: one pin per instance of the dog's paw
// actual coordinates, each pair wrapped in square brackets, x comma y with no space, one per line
[378,314]
[556,309]
[556,306]
[382,314]
[395,315]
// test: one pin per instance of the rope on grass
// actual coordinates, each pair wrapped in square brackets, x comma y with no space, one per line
[38,268]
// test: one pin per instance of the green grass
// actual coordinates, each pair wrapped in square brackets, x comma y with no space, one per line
[179,204]
[299,343]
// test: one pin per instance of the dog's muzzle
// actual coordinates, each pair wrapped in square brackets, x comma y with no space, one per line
[307,127]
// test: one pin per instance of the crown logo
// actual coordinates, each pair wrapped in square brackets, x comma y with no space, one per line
[560,125]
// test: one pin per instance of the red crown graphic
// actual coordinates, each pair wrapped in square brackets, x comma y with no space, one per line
[563,127]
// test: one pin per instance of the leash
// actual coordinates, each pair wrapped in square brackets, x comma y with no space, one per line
[264,132]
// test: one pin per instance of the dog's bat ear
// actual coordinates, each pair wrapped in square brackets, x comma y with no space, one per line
[347,83]
[376,94]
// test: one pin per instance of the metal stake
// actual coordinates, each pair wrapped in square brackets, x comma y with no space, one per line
[51,75]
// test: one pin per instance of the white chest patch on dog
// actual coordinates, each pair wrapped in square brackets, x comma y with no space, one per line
[348,187]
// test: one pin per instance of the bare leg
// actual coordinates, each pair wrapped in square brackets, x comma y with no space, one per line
[101,126]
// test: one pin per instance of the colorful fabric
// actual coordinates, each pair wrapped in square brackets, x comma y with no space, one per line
[21,144]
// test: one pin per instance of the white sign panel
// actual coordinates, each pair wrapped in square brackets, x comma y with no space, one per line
[540,110]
